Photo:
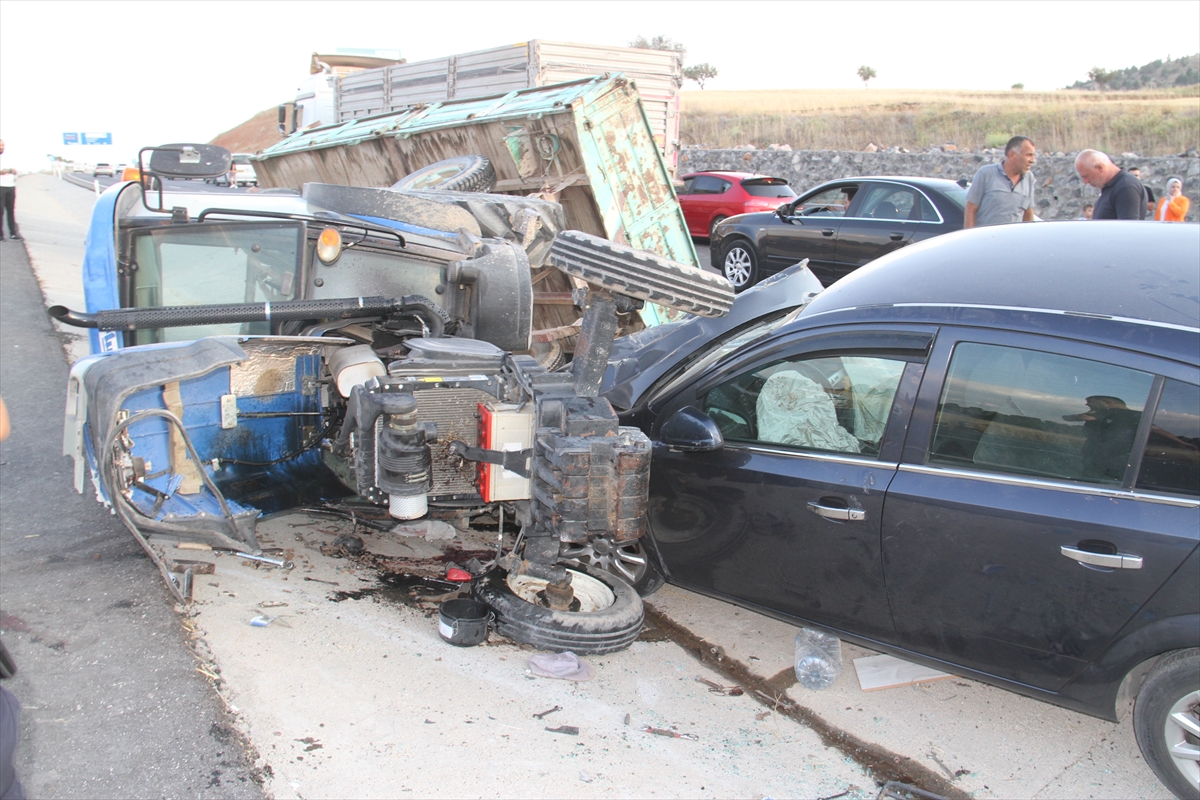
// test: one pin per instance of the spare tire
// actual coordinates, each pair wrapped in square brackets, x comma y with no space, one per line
[461,174]
[609,619]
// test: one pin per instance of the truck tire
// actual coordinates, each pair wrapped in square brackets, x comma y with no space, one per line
[460,174]
[614,621]
[1165,719]
[641,274]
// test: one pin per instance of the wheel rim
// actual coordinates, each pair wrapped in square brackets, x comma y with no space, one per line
[591,593]
[626,560]
[1182,733]
[436,177]
[738,266]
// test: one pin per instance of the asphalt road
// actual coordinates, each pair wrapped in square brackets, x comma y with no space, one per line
[113,706]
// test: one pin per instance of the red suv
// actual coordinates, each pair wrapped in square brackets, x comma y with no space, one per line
[709,197]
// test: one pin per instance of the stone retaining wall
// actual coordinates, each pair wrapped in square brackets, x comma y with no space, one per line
[1060,192]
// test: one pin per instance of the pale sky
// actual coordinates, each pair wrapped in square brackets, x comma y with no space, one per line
[157,72]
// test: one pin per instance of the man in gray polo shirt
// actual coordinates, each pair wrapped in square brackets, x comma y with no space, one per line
[1002,193]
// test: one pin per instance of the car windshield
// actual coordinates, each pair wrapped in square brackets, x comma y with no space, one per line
[768,187]
[717,350]
[958,195]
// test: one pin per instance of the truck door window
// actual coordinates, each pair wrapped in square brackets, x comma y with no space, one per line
[205,263]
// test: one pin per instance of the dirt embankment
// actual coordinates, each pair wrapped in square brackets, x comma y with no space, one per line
[255,134]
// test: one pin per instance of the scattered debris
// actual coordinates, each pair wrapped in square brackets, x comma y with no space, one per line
[197,567]
[312,743]
[887,672]
[457,575]
[272,604]
[318,580]
[566,666]
[545,713]
[585,777]
[760,716]
[716,688]
[352,544]
[569,730]
[671,734]
[895,790]
[261,621]
[628,719]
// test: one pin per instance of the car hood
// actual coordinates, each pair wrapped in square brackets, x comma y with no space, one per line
[640,360]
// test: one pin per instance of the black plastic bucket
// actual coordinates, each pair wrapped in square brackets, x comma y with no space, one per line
[463,622]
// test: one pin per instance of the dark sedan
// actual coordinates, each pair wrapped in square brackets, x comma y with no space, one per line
[960,457]
[838,227]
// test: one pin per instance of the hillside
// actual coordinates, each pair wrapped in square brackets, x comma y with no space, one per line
[255,134]
[1155,75]
[1151,123]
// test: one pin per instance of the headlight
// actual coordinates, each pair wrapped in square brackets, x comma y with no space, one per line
[329,245]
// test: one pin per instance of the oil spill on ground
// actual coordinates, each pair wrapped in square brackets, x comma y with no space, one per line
[415,591]
[881,763]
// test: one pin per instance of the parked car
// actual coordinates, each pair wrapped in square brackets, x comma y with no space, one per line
[243,170]
[956,456]
[838,227]
[102,169]
[707,198]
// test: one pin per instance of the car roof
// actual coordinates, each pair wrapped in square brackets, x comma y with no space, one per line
[738,176]
[1141,271]
[940,184]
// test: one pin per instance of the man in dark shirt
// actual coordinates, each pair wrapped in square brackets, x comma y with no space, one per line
[1121,195]
[1137,173]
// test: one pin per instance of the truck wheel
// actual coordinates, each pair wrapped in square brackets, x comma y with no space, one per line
[641,274]
[609,617]
[1166,721]
[627,560]
[460,174]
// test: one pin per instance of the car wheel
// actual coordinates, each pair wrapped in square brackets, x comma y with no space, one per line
[712,229]
[609,617]
[740,265]
[1166,720]
[640,274]
[459,174]
[627,560]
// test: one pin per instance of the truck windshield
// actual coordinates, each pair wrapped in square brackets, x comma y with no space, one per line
[213,262]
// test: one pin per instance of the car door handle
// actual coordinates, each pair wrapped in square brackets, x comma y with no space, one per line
[895,237]
[1110,560]
[827,231]
[831,512]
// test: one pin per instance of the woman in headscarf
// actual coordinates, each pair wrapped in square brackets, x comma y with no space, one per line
[1172,206]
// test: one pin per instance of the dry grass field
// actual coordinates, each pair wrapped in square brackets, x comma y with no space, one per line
[1151,123]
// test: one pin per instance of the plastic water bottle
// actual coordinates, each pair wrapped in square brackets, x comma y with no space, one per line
[818,659]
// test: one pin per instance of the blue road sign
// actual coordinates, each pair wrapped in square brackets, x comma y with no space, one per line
[70,138]
[97,138]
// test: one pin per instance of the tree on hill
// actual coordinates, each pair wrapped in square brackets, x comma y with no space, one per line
[1101,77]
[700,73]
[658,43]
[865,73]
[1158,74]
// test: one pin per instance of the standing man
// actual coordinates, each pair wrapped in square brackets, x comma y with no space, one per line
[1003,193]
[1137,173]
[1121,194]
[8,198]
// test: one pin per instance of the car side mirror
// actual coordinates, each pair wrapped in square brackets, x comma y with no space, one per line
[786,212]
[692,430]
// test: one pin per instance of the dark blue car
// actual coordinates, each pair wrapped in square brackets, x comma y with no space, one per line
[981,453]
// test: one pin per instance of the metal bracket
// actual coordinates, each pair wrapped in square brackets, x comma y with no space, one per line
[516,461]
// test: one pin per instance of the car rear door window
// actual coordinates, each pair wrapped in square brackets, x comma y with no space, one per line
[707,184]
[836,404]
[1021,411]
[1171,462]
[889,201]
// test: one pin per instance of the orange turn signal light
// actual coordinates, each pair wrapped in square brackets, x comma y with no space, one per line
[329,245]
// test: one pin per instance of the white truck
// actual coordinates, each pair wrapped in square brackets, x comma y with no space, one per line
[327,98]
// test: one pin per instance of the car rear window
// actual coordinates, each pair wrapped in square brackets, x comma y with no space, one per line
[958,195]
[767,187]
